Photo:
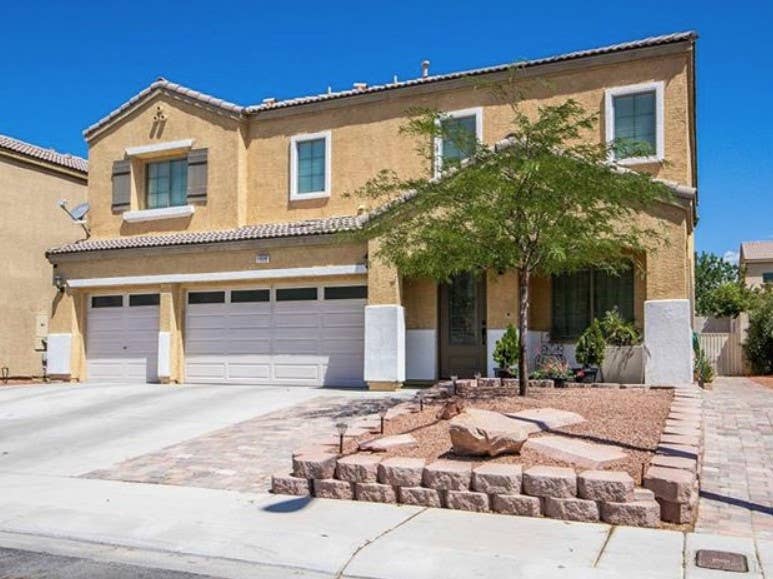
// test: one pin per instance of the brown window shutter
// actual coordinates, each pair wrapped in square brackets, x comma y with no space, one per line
[121,185]
[197,175]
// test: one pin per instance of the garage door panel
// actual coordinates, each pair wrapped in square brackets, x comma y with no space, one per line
[343,320]
[296,320]
[207,371]
[295,347]
[248,347]
[351,347]
[296,371]
[205,322]
[249,371]
[250,320]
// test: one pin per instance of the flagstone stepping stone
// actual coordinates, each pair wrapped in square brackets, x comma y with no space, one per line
[547,418]
[478,432]
[386,443]
[574,451]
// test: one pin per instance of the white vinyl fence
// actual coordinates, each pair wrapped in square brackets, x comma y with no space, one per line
[724,352]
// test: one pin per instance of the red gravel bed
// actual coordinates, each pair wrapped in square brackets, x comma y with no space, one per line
[630,419]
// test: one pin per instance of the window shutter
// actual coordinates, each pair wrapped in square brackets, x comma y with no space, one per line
[197,175]
[121,185]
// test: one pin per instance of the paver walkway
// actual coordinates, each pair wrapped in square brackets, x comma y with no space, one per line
[243,457]
[737,477]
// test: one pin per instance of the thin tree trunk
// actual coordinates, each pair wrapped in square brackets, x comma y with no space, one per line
[523,318]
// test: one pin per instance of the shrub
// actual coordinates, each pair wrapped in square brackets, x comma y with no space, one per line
[703,372]
[618,332]
[591,346]
[507,348]
[759,339]
[553,368]
[729,299]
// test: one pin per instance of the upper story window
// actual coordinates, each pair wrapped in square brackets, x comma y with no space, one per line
[767,277]
[310,166]
[460,132]
[167,183]
[634,122]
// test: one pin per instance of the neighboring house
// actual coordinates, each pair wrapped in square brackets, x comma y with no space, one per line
[756,262]
[213,256]
[32,181]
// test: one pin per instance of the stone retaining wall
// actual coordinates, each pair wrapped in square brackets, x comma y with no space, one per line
[669,493]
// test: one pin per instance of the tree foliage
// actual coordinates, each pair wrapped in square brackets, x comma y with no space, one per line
[545,201]
[759,338]
[711,273]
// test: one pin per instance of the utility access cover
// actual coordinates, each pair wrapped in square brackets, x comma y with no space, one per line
[721,561]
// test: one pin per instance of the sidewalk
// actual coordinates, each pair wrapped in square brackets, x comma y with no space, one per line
[230,534]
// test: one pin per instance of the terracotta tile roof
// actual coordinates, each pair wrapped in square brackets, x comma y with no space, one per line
[48,155]
[231,108]
[265,231]
[757,250]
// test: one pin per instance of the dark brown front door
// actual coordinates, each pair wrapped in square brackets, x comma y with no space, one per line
[463,327]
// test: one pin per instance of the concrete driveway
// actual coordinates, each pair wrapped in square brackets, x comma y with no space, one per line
[73,429]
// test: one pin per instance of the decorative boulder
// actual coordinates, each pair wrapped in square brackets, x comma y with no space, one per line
[482,432]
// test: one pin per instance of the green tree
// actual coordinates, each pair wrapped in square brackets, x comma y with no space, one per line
[507,349]
[591,346]
[544,201]
[711,272]
[759,338]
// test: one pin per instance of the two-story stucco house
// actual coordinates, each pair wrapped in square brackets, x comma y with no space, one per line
[213,256]
[32,182]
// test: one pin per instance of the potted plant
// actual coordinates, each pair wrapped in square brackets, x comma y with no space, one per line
[555,369]
[506,353]
[590,351]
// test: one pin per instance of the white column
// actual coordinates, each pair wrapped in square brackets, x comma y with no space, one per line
[58,354]
[421,354]
[668,342]
[164,356]
[384,343]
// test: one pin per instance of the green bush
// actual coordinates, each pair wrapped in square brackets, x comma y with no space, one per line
[729,299]
[703,372]
[591,346]
[618,332]
[759,339]
[506,350]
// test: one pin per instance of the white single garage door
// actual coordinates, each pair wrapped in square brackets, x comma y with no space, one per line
[122,338]
[309,335]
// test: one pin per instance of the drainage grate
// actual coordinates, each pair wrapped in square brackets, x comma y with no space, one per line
[721,561]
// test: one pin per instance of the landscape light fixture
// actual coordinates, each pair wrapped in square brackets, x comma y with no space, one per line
[382,414]
[421,401]
[341,427]
[5,373]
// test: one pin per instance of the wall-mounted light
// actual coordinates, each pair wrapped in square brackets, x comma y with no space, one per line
[382,414]
[59,282]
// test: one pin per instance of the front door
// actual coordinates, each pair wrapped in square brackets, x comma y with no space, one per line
[463,326]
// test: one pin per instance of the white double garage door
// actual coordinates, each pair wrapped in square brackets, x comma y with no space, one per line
[302,335]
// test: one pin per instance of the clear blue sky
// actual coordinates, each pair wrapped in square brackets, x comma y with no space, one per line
[67,63]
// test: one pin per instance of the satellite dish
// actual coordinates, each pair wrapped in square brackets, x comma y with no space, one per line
[79,211]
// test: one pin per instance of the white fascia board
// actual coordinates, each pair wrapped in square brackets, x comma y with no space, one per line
[249,275]
[157,148]
[158,214]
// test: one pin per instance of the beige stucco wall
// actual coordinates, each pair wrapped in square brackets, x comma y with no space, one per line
[223,136]
[754,271]
[30,222]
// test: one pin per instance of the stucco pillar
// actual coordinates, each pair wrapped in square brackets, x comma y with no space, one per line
[501,310]
[668,342]
[170,349]
[65,354]
[384,325]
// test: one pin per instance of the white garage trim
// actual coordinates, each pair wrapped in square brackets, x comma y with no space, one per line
[322,271]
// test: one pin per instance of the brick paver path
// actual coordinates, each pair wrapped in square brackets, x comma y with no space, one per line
[243,457]
[737,478]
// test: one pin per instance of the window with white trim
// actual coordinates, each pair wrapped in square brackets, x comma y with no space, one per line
[634,122]
[310,166]
[460,133]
